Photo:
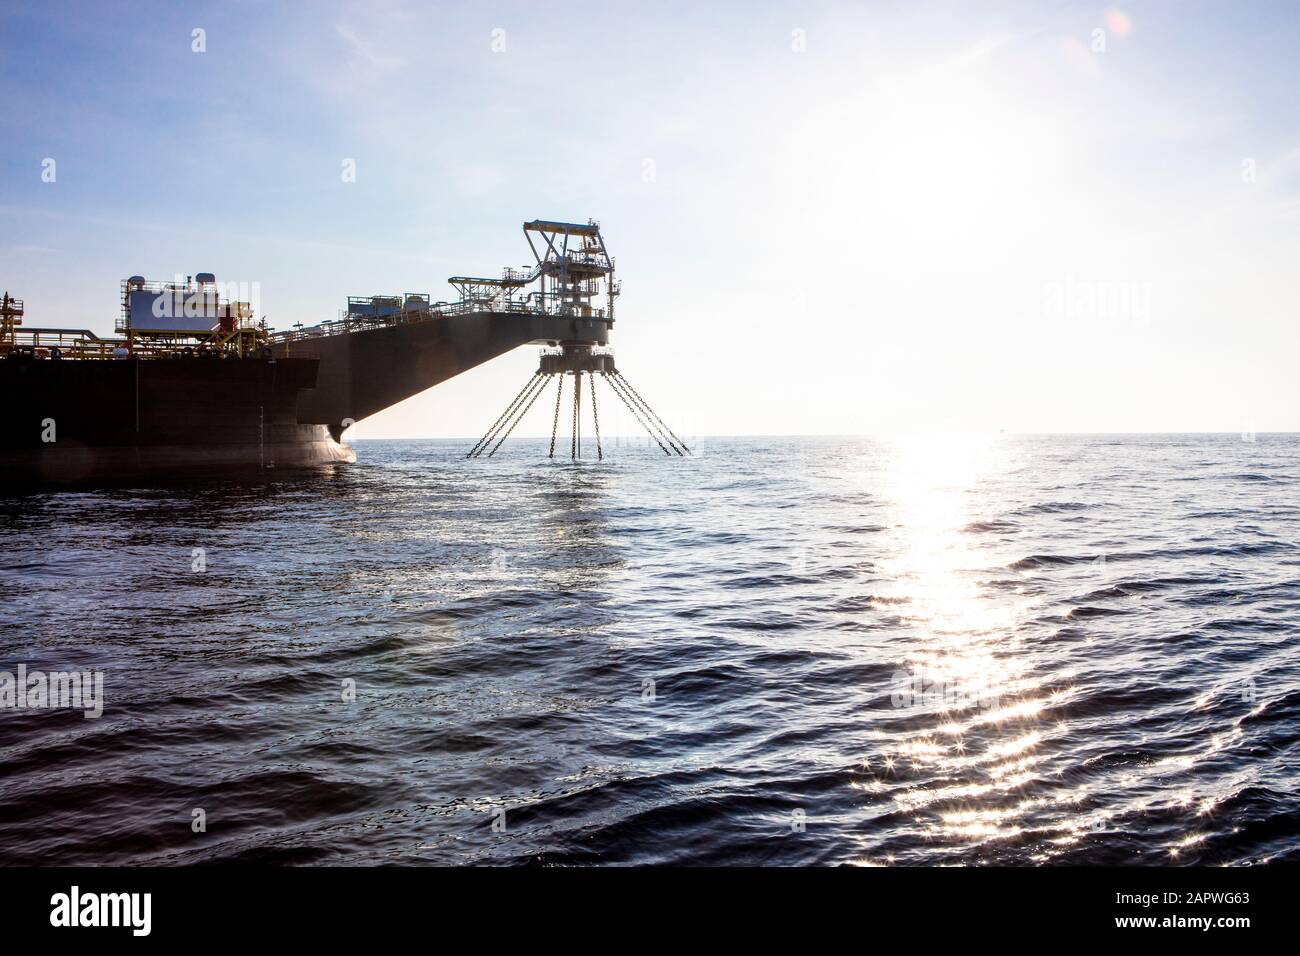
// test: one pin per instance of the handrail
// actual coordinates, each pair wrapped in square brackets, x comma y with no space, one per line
[349,324]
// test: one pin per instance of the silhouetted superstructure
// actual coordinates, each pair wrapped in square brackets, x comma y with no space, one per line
[571,279]
[192,382]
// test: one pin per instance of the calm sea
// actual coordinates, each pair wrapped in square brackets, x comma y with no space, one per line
[1014,650]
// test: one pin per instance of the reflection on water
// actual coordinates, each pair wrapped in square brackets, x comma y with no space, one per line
[932,649]
[976,702]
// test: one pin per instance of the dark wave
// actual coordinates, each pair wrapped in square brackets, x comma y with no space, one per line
[770,654]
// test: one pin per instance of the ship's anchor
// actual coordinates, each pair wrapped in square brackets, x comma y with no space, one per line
[575,361]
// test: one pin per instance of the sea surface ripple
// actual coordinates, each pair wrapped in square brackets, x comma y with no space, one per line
[930,650]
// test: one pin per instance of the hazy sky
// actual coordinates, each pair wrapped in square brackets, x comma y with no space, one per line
[828,218]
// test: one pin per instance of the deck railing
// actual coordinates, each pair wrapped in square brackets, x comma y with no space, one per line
[346,324]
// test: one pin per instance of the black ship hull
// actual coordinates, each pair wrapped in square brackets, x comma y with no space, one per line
[196,386]
[87,421]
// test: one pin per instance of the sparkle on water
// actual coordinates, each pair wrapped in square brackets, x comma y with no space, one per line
[934,649]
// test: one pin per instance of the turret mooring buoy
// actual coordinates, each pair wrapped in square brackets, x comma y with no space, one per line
[575,360]
[573,267]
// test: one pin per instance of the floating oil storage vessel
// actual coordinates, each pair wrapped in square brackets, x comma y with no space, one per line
[192,382]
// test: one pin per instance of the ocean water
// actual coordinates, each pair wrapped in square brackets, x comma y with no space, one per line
[934,650]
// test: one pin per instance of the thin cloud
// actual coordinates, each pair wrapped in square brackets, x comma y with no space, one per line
[364,51]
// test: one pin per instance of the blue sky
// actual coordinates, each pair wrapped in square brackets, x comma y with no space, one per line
[829,218]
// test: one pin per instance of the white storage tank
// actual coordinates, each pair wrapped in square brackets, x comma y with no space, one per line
[172,307]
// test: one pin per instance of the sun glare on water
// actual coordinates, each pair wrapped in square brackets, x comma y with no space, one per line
[974,734]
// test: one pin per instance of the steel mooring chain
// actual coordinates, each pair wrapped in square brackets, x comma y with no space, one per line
[506,416]
[555,423]
[537,393]
[650,411]
[653,416]
[609,380]
[646,422]
[595,417]
[643,415]
[575,448]
[491,432]
[523,402]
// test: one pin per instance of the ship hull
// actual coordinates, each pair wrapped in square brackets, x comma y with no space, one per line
[86,421]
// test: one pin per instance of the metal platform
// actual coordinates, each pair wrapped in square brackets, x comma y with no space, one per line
[194,379]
